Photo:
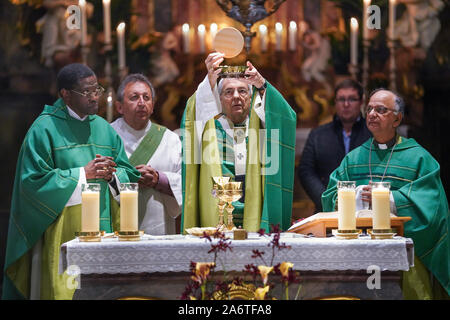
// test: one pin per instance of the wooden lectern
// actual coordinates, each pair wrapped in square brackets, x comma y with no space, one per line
[323,222]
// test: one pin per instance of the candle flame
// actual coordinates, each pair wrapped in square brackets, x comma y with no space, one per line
[213,27]
[354,23]
[263,28]
[121,27]
[185,28]
[201,28]
[106,1]
[292,25]
[278,26]
[82,3]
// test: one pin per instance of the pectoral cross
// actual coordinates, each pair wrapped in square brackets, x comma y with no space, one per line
[240,156]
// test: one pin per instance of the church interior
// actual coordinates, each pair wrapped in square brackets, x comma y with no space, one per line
[302,47]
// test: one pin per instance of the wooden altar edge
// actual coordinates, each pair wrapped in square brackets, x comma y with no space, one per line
[319,226]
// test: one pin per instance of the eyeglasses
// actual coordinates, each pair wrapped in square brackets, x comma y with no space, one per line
[98,91]
[380,110]
[228,93]
[350,100]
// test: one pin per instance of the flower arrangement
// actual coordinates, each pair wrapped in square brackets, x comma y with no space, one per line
[226,286]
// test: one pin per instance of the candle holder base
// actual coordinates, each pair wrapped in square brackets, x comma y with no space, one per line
[88,236]
[130,235]
[346,234]
[379,234]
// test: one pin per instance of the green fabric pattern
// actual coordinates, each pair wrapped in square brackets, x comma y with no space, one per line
[47,173]
[148,145]
[417,189]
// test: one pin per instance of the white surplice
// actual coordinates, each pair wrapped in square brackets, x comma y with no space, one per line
[157,210]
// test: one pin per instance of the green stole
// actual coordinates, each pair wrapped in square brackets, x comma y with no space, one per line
[200,208]
[148,145]
[47,173]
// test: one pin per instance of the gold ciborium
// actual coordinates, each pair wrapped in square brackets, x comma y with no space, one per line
[232,191]
[217,192]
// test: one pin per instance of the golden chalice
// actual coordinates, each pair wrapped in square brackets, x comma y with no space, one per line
[232,191]
[217,192]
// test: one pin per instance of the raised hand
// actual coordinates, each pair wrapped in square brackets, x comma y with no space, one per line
[213,60]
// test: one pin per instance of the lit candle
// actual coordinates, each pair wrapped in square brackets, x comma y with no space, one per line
[90,209]
[201,38]
[121,44]
[128,210]
[185,30]
[107,20]
[391,19]
[213,31]
[381,210]
[346,207]
[82,4]
[109,107]
[278,35]
[353,41]
[292,35]
[365,19]
[263,37]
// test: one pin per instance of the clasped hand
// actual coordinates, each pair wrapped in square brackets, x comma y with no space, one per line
[149,176]
[102,167]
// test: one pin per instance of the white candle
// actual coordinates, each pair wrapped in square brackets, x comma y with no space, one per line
[365,19]
[82,4]
[109,108]
[201,38]
[381,212]
[391,19]
[346,209]
[353,41]
[185,30]
[121,44]
[90,211]
[107,20]
[263,37]
[278,35]
[129,210]
[213,31]
[292,35]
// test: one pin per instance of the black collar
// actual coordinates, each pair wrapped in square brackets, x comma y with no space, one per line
[386,145]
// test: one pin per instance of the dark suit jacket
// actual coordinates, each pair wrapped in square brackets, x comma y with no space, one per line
[323,152]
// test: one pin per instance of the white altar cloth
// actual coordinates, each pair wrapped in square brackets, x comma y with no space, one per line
[175,254]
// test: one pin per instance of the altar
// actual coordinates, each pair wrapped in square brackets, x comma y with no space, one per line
[158,267]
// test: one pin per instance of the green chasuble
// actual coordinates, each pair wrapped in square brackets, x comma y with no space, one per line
[47,173]
[269,176]
[417,189]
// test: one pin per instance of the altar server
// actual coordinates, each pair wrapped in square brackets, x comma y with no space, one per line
[155,151]
[223,135]
[67,145]
[416,189]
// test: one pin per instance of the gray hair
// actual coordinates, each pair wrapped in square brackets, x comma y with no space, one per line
[399,103]
[220,86]
[133,78]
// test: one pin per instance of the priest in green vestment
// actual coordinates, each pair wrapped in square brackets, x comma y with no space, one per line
[241,128]
[416,192]
[67,145]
